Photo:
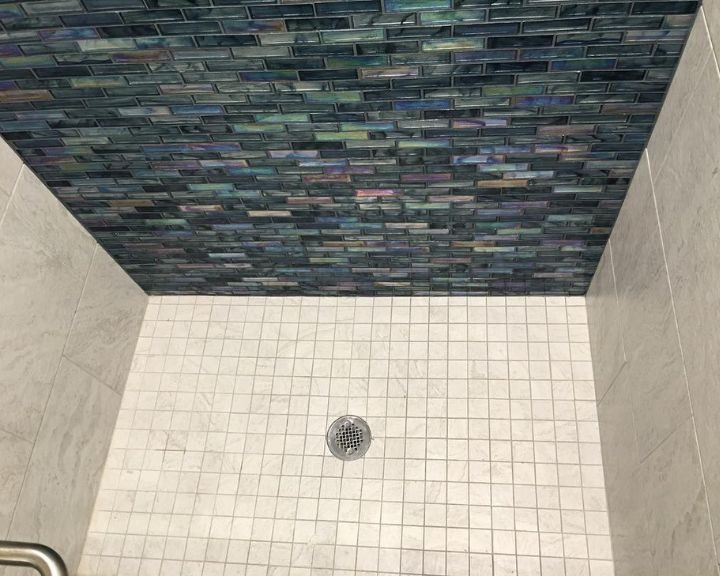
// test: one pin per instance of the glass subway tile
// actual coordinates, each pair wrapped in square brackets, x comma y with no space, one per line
[354,147]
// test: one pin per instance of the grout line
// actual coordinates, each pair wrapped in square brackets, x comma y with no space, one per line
[273,385]
[388,323]
[555,442]
[12,194]
[682,356]
[293,544]
[580,462]
[426,325]
[617,302]
[713,51]
[510,436]
[366,417]
[326,457]
[256,495]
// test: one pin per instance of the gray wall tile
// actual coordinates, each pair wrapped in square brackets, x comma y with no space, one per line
[694,58]
[664,500]
[604,321]
[659,391]
[107,322]
[59,492]
[44,258]
[686,189]
[617,433]
[57,419]
[628,527]
[678,524]
[626,506]
[711,9]
[15,454]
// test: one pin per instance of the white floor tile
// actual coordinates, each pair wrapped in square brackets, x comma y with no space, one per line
[485,452]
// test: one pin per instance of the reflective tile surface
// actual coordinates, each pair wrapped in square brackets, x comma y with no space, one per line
[348,147]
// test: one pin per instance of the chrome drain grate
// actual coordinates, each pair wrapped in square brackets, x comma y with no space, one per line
[349,438]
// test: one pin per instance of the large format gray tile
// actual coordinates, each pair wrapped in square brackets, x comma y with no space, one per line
[694,58]
[617,435]
[687,189]
[10,166]
[4,200]
[654,361]
[711,10]
[14,458]
[107,323]
[604,324]
[629,529]
[57,498]
[678,523]
[44,258]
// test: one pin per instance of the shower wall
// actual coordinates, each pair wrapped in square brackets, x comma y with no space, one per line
[69,321]
[653,314]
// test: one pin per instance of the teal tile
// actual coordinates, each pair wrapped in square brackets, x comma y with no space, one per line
[452,16]
[350,36]
[43,7]
[341,136]
[408,5]
[454,44]
[282,118]
[354,62]
[344,97]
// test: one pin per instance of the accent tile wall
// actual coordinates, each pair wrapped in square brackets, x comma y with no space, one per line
[485,456]
[340,147]
[69,322]
[653,315]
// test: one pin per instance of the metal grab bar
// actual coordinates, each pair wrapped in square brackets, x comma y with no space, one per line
[42,558]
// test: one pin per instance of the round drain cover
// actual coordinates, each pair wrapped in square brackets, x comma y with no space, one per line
[349,438]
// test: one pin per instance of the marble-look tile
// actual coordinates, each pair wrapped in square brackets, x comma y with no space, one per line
[654,360]
[57,498]
[711,11]
[44,258]
[628,526]
[678,523]
[605,326]
[4,201]
[694,58]
[626,506]
[419,411]
[617,434]
[107,322]
[11,166]
[14,458]
[686,188]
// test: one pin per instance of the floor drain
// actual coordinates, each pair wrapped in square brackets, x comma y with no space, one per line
[349,438]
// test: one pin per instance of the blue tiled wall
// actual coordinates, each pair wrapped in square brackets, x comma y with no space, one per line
[340,147]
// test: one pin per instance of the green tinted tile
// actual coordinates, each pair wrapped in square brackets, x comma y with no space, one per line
[345,36]
[283,118]
[452,16]
[408,5]
[340,136]
[333,97]
[454,44]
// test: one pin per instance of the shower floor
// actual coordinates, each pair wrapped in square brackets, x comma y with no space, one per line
[485,456]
